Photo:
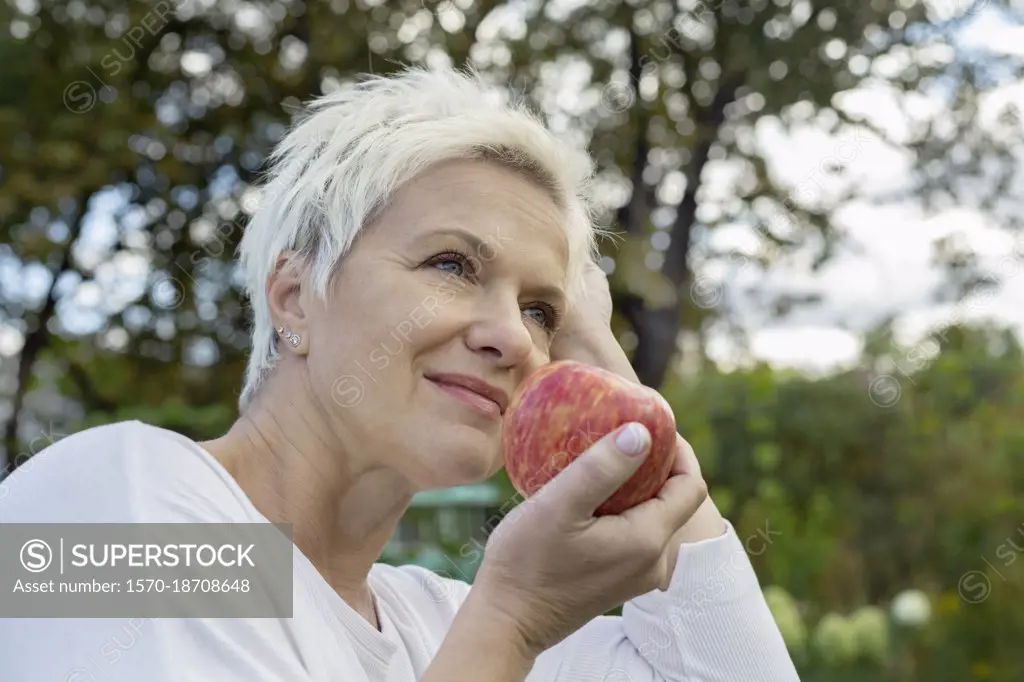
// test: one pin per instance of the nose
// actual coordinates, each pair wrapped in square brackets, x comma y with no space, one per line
[500,332]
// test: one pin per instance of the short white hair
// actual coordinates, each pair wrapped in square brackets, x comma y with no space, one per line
[338,167]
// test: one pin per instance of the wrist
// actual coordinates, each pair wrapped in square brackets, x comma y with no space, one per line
[501,625]
[707,523]
[482,643]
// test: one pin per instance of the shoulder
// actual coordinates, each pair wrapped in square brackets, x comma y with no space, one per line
[128,472]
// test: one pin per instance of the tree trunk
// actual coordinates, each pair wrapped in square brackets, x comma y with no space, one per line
[657,329]
[35,341]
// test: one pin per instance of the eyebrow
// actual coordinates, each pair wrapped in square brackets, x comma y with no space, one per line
[553,293]
[470,238]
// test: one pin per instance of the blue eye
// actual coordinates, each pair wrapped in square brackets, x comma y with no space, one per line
[550,316]
[452,259]
[458,267]
[542,319]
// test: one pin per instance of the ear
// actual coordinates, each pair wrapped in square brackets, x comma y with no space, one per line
[287,304]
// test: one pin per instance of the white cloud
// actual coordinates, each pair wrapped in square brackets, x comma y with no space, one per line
[885,264]
[987,31]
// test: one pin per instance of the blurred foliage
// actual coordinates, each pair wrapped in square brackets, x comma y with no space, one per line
[133,132]
[868,493]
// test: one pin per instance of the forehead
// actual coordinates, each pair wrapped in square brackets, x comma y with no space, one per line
[508,219]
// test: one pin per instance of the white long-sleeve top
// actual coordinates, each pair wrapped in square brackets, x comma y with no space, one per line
[711,625]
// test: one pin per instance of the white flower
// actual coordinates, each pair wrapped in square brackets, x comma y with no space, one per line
[871,629]
[835,640]
[787,617]
[911,608]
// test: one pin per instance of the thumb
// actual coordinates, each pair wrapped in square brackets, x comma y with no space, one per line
[598,472]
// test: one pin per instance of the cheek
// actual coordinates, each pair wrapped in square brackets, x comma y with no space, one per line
[367,360]
[430,318]
[371,339]
[337,363]
[333,368]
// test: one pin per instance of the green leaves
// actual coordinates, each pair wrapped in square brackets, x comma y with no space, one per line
[843,504]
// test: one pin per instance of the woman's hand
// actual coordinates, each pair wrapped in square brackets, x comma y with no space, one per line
[551,565]
[586,336]
[592,317]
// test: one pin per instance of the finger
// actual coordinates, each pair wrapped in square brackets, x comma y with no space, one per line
[598,472]
[672,507]
[679,464]
[685,461]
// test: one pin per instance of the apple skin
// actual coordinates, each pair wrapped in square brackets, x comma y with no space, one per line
[563,408]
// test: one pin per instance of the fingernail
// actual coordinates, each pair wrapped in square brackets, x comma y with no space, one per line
[632,440]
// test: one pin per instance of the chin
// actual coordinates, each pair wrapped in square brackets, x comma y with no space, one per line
[474,468]
[462,464]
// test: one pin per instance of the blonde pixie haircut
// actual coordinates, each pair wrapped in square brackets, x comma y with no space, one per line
[337,168]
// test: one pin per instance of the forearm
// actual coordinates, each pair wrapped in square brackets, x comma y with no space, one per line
[713,618]
[601,349]
[480,645]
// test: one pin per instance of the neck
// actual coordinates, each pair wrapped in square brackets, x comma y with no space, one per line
[343,508]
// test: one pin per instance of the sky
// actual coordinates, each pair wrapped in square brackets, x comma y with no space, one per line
[882,267]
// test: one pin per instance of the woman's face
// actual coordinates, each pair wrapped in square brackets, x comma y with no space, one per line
[437,313]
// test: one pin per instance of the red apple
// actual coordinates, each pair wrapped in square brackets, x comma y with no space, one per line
[563,408]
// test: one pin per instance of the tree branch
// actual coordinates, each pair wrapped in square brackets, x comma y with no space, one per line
[708,120]
[635,212]
[87,390]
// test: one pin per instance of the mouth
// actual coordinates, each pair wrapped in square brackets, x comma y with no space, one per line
[473,392]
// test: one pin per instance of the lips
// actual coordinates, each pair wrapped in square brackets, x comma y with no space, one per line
[473,385]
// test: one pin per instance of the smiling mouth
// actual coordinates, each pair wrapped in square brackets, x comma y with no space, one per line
[472,399]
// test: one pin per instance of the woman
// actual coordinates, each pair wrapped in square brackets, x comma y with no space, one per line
[409,231]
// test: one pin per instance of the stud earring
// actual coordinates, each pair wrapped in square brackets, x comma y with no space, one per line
[293,339]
